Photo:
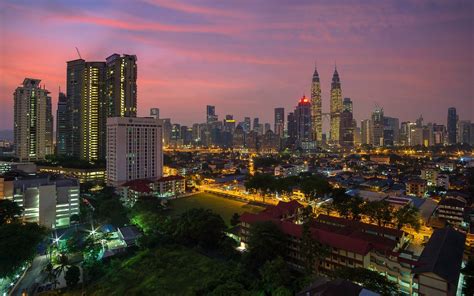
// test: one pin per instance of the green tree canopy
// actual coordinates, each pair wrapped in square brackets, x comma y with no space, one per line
[407,215]
[266,242]
[9,211]
[72,276]
[368,279]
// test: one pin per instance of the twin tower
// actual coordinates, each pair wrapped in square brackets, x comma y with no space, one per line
[335,108]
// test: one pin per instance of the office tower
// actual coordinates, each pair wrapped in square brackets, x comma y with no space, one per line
[134,149]
[211,114]
[166,123]
[408,134]
[175,132]
[303,120]
[452,125]
[335,108]
[229,124]
[87,109]
[346,133]
[419,121]
[280,122]
[255,124]
[357,136]
[292,129]
[366,132]
[464,132]
[316,108]
[267,127]
[46,200]
[391,131]
[238,140]
[62,125]
[437,134]
[121,85]
[377,127]
[49,134]
[155,113]
[347,105]
[32,121]
[247,126]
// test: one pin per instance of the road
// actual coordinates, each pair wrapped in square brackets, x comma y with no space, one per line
[32,276]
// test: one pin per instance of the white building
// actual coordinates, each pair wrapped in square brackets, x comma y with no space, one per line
[46,200]
[134,149]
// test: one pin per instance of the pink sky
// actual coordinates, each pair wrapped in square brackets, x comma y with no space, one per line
[247,57]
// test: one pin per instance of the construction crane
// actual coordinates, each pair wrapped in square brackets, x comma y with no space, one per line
[78,53]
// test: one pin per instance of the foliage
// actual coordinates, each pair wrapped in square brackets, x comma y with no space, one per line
[200,227]
[407,215]
[108,208]
[379,211]
[311,250]
[275,274]
[72,276]
[349,207]
[18,244]
[315,186]
[266,242]
[368,279]
[9,211]
[260,162]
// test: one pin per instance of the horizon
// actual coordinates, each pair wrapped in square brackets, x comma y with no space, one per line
[386,53]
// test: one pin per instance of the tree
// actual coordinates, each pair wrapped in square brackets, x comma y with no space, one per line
[201,227]
[18,244]
[72,276]
[266,242]
[468,272]
[314,186]
[368,279]
[407,215]
[379,211]
[235,219]
[9,211]
[275,274]
[311,250]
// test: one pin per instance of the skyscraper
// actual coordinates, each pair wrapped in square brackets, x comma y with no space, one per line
[292,130]
[452,125]
[121,84]
[87,109]
[246,126]
[93,112]
[211,116]
[347,105]
[303,120]
[347,125]
[366,132]
[335,108]
[62,124]
[32,120]
[391,131]
[377,127]
[316,108]
[280,122]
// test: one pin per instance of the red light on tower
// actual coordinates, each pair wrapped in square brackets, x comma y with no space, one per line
[304,100]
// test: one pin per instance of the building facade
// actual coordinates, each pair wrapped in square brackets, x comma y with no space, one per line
[134,149]
[33,121]
[335,108]
[121,85]
[62,124]
[280,122]
[316,108]
[452,124]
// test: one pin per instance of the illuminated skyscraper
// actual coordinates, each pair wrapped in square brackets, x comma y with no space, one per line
[211,116]
[452,125]
[316,108]
[62,124]
[280,122]
[303,120]
[87,109]
[335,108]
[32,125]
[121,85]
[377,127]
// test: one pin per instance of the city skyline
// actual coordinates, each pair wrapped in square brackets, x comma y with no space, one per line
[391,64]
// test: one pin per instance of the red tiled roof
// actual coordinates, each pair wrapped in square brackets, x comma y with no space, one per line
[170,178]
[142,186]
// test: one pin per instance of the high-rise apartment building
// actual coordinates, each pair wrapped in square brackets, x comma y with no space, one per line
[335,108]
[33,121]
[280,122]
[303,120]
[316,108]
[452,125]
[87,109]
[121,85]
[366,132]
[134,149]
[62,125]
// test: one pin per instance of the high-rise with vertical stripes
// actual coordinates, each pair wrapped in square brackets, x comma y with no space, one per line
[335,108]
[316,108]
[121,85]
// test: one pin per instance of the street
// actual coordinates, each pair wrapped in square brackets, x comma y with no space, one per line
[32,276]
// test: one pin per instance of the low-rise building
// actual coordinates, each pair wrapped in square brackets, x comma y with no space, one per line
[46,199]
[451,209]
[416,187]
[171,186]
[95,175]
[287,170]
